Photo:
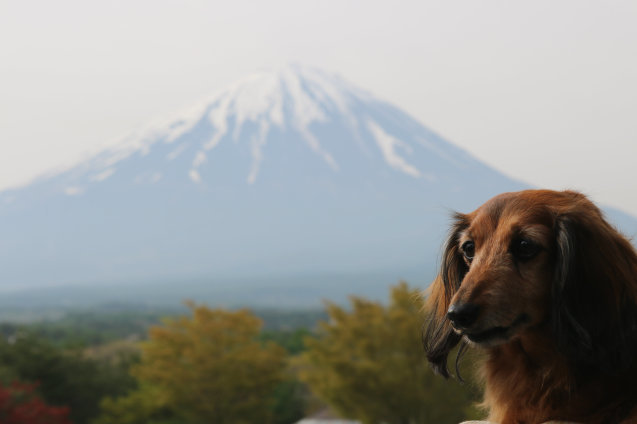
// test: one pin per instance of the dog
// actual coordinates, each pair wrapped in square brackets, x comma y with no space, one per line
[547,289]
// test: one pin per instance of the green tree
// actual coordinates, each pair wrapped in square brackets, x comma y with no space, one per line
[290,396]
[208,368]
[368,363]
[63,377]
[291,340]
[145,405]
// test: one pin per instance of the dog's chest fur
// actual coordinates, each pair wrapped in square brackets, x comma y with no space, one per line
[530,386]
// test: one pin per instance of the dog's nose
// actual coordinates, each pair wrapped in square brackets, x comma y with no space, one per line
[463,315]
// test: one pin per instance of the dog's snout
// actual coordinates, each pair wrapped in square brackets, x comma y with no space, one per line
[463,315]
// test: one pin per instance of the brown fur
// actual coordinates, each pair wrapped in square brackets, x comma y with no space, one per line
[564,345]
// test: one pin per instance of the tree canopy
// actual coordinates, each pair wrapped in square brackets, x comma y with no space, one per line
[368,363]
[19,404]
[209,367]
[61,377]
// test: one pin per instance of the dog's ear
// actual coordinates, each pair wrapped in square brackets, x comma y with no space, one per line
[594,316]
[439,337]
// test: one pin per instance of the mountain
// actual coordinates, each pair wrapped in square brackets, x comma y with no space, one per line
[284,176]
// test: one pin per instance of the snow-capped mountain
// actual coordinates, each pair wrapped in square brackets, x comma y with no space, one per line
[303,109]
[295,172]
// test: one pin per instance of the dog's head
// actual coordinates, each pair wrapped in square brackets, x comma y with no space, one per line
[535,260]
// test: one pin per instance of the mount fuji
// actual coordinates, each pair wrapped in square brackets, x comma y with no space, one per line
[282,178]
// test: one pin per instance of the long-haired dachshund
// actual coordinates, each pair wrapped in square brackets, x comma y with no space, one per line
[548,289]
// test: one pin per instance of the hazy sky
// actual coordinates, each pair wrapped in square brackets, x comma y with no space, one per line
[545,91]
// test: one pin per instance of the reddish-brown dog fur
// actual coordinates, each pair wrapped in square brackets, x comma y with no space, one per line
[555,287]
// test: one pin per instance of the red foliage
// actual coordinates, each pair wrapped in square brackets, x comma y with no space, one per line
[20,405]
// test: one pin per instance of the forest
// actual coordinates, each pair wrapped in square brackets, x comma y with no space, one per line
[363,361]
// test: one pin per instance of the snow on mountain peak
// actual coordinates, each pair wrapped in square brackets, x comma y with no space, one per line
[294,100]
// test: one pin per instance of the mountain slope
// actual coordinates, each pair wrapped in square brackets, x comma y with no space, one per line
[295,172]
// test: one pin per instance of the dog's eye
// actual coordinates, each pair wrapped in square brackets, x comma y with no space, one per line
[524,249]
[468,249]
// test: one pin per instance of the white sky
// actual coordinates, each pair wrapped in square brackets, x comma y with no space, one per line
[545,91]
